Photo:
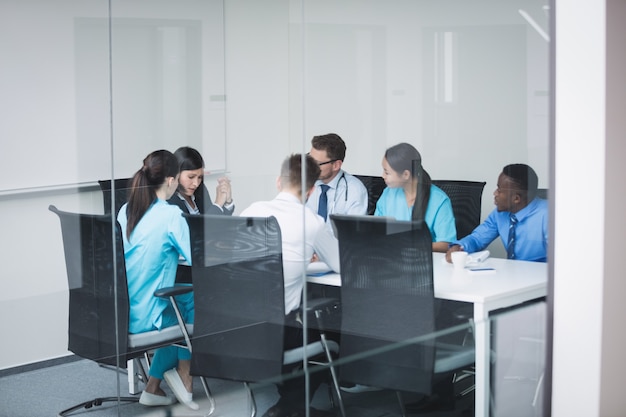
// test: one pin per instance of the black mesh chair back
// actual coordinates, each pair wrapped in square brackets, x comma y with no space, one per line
[122,187]
[239,303]
[99,302]
[466,199]
[542,193]
[387,298]
[96,273]
[375,186]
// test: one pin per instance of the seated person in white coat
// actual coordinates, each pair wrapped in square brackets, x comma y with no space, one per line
[302,235]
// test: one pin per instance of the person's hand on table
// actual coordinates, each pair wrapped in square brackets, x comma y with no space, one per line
[453,248]
[315,258]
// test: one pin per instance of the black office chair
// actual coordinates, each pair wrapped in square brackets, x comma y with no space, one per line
[466,199]
[375,186]
[388,307]
[542,193]
[239,302]
[122,185]
[98,298]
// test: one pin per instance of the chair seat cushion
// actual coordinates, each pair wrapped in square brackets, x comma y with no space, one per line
[450,357]
[156,337]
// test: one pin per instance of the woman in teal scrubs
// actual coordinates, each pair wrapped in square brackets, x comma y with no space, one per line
[410,195]
[155,235]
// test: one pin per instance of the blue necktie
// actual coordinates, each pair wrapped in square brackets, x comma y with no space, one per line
[510,247]
[322,207]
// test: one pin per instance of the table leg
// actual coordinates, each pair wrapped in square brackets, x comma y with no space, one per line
[133,382]
[483,363]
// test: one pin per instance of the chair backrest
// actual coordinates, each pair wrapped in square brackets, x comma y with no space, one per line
[375,186]
[237,273]
[96,273]
[387,298]
[122,186]
[466,199]
[542,193]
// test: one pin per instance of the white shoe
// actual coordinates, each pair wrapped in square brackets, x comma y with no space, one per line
[178,388]
[359,388]
[153,400]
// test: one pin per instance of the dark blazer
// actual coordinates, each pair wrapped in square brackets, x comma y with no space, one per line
[206,206]
[203,201]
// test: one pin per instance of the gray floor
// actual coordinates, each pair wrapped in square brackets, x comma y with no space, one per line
[47,391]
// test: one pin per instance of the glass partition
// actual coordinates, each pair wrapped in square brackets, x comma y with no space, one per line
[91,88]
[57,130]
[467,85]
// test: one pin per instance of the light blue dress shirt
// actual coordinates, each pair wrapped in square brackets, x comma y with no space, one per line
[439,215]
[531,233]
[346,195]
[151,257]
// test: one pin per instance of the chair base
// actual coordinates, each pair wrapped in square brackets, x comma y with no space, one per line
[96,402]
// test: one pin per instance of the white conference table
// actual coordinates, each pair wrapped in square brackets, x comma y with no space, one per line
[512,283]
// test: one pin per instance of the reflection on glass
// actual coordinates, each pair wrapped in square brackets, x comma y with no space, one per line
[92,87]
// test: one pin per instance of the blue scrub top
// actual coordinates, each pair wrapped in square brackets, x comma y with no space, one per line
[439,215]
[151,256]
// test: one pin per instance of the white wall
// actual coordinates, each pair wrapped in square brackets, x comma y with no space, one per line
[380,97]
[167,86]
[588,364]
[33,303]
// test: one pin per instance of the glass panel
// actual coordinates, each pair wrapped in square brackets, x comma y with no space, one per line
[58,278]
[519,343]
[465,83]
[91,88]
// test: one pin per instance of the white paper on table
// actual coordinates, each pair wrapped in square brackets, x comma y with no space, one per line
[477,257]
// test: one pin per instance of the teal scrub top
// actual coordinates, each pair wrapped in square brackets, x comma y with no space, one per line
[439,215]
[151,256]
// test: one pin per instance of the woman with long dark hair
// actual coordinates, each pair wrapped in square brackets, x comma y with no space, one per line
[192,195]
[155,235]
[410,195]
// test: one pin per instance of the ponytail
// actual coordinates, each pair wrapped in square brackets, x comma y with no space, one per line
[402,157]
[157,167]
[423,191]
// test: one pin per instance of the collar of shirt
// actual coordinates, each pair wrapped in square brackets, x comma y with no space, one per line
[333,184]
[191,210]
[285,196]
[526,211]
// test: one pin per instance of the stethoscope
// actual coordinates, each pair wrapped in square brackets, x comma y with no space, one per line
[343,177]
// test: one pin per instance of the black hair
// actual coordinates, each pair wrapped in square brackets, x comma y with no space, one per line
[157,167]
[524,177]
[189,159]
[404,156]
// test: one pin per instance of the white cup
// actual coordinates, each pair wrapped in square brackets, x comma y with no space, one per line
[459,259]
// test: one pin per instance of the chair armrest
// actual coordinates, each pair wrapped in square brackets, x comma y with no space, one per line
[173,291]
[319,308]
[317,304]
[170,293]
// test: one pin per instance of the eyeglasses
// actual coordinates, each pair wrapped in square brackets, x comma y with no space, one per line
[324,163]
[327,162]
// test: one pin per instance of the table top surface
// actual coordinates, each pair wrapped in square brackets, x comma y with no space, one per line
[509,278]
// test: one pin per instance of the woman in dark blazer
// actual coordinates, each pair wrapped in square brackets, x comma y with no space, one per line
[193,197]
